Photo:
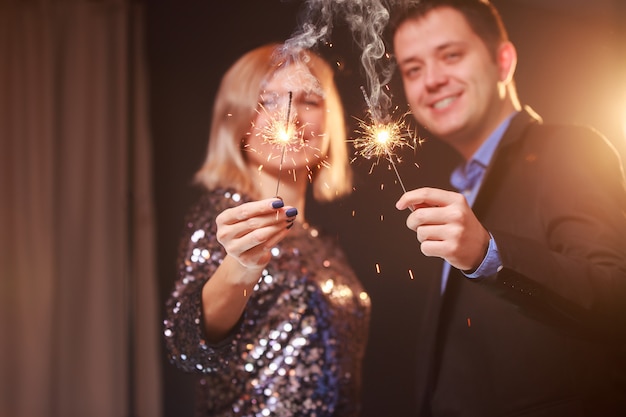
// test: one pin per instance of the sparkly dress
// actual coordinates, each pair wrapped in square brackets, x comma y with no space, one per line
[297,349]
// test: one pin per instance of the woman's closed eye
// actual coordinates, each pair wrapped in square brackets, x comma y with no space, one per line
[269,101]
[310,100]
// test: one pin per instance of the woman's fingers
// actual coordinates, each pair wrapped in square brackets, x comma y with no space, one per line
[260,255]
[249,210]
[247,232]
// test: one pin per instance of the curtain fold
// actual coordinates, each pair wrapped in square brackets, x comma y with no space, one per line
[78,298]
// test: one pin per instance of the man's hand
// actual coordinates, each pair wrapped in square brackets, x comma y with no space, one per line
[446,227]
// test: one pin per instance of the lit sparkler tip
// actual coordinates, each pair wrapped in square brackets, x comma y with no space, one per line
[283,135]
[381,138]
[281,129]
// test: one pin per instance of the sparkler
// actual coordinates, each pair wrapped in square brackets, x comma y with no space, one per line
[284,134]
[282,131]
[285,137]
[379,138]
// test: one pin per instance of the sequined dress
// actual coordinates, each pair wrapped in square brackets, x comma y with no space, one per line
[298,348]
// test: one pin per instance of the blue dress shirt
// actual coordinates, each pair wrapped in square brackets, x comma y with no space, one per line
[467,179]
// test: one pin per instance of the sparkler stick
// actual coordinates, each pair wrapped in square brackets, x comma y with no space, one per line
[397,174]
[284,139]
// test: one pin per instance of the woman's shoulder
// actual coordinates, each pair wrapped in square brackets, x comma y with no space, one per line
[208,203]
[226,197]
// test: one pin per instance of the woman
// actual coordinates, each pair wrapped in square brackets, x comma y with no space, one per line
[265,307]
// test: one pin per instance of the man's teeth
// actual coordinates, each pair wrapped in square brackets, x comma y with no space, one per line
[443,103]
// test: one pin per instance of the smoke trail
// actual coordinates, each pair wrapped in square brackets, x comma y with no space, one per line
[367,20]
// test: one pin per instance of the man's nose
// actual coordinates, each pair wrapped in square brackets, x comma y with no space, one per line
[434,76]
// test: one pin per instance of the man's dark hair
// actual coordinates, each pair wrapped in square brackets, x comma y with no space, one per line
[481,16]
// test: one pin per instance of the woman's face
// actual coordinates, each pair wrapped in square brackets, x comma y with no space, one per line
[291,117]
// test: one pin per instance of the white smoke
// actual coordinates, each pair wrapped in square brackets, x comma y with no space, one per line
[366,20]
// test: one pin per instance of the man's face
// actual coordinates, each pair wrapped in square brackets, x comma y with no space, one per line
[452,82]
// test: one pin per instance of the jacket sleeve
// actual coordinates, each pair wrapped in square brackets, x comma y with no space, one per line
[199,256]
[573,267]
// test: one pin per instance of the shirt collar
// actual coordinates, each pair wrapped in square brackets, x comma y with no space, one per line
[484,154]
[468,176]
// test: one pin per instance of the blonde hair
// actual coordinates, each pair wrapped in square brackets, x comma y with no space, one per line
[235,108]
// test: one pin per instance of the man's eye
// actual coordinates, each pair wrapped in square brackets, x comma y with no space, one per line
[412,72]
[452,56]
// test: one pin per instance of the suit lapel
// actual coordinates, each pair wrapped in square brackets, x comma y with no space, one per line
[513,134]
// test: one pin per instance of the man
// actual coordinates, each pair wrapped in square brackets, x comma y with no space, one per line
[528,317]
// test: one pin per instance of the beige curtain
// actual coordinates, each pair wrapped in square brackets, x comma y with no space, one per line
[79,330]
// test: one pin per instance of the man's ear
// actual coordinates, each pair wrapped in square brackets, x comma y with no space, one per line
[507,61]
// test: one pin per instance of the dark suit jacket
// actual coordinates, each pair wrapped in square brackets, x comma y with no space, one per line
[545,335]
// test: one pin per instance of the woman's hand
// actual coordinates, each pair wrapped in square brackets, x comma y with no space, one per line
[249,231]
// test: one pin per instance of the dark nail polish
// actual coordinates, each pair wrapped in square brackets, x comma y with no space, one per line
[291,212]
[290,225]
[277,204]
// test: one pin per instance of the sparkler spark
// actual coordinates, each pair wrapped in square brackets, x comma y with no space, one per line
[281,130]
[380,140]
